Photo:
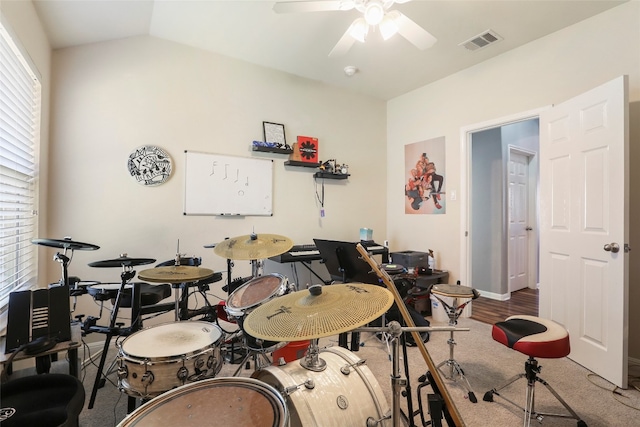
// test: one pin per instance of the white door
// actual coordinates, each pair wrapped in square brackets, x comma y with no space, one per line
[584,217]
[518,215]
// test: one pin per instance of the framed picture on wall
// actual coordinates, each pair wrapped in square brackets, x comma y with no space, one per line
[424,177]
[274,134]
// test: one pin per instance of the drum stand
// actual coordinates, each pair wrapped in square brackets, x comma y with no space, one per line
[112,330]
[454,311]
[256,354]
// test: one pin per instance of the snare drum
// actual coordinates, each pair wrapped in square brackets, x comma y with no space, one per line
[345,394]
[255,292]
[219,401]
[165,356]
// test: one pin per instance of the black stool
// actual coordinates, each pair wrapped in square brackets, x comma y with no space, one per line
[47,400]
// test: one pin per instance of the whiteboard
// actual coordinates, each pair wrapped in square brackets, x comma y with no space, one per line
[227,185]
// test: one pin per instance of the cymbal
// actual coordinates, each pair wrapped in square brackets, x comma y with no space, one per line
[123,261]
[253,246]
[302,315]
[175,274]
[65,244]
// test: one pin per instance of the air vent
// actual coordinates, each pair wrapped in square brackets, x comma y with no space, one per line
[482,40]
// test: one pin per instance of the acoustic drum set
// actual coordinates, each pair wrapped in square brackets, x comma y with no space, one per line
[173,367]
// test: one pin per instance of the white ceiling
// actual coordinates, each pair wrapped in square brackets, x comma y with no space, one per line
[299,43]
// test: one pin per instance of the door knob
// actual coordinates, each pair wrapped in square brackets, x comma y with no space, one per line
[613,247]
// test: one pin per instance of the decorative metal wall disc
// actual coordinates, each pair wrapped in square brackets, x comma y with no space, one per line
[149,165]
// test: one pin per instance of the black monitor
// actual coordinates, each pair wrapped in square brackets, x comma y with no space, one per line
[344,262]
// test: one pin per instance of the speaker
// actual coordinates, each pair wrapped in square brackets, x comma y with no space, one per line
[39,313]
[18,320]
[59,313]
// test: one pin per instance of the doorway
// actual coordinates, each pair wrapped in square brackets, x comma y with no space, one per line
[501,239]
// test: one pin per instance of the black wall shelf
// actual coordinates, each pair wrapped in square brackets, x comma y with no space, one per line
[301,164]
[329,175]
[271,149]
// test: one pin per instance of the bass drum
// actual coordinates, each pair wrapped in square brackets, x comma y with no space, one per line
[214,401]
[336,398]
[165,356]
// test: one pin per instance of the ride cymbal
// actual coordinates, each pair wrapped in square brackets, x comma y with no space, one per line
[65,244]
[253,246]
[175,274]
[304,315]
[123,261]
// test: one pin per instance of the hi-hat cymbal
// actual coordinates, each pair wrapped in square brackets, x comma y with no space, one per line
[253,246]
[65,244]
[123,261]
[302,315]
[175,274]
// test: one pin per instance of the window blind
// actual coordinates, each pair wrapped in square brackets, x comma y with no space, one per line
[20,103]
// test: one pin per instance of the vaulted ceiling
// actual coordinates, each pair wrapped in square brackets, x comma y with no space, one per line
[299,43]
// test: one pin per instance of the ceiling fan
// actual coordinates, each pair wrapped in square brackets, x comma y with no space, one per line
[375,13]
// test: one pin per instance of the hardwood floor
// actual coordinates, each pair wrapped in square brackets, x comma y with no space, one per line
[490,311]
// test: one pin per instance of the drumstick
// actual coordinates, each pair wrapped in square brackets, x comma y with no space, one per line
[453,411]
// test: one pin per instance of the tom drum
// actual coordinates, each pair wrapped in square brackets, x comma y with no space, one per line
[252,294]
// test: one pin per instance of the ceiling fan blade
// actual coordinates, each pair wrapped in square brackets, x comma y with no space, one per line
[413,32]
[309,6]
[343,45]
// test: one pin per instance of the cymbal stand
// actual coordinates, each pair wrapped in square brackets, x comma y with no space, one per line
[127,274]
[178,286]
[257,267]
[312,360]
[394,329]
[64,261]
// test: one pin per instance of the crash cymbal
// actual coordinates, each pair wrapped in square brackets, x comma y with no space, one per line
[305,315]
[253,246]
[175,274]
[65,244]
[123,261]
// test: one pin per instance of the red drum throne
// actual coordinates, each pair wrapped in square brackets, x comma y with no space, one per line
[535,337]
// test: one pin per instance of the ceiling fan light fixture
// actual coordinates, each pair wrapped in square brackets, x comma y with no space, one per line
[359,29]
[373,12]
[388,26]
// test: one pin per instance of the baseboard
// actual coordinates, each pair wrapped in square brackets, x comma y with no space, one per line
[493,295]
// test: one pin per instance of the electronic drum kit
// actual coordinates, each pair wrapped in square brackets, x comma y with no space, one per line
[172,367]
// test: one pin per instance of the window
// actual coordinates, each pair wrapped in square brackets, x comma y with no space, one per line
[20,101]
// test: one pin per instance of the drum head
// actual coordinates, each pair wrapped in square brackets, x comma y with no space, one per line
[228,401]
[171,339]
[256,291]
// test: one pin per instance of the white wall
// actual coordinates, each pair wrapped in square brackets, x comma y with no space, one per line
[110,98]
[22,21]
[541,73]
